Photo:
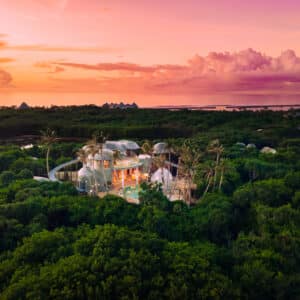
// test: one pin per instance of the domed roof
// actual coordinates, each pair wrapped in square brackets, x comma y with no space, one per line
[115,146]
[85,147]
[84,172]
[240,144]
[251,146]
[160,148]
[106,154]
[130,145]
[268,150]
[162,175]
[144,156]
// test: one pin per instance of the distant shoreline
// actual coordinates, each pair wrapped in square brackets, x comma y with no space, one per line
[217,107]
[223,107]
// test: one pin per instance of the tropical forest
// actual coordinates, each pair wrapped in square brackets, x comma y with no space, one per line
[233,234]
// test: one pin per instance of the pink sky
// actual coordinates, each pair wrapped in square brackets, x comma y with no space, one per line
[149,50]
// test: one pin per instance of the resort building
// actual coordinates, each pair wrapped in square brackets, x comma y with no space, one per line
[119,167]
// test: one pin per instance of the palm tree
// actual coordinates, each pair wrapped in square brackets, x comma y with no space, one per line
[224,167]
[216,148]
[81,154]
[159,162]
[170,150]
[147,147]
[189,160]
[92,149]
[48,137]
[208,172]
[117,156]
[99,140]
[175,149]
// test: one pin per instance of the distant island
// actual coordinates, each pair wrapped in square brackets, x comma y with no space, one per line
[120,105]
[220,107]
[23,105]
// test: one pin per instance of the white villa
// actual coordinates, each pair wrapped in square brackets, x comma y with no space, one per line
[118,167]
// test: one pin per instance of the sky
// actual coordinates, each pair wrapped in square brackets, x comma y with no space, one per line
[151,52]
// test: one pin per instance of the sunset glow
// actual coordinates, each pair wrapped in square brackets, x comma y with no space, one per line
[152,52]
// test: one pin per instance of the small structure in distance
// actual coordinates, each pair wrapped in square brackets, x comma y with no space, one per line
[23,106]
[120,105]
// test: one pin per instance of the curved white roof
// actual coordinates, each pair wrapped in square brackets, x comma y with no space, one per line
[85,147]
[251,146]
[41,179]
[29,146]
[240,144]
[160,148]
[115,146]
[268,150]
[144,156]
[85,172]
[105,155]
[130,145]
[162,175]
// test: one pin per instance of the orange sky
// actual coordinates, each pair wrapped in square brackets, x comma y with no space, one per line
[148,50]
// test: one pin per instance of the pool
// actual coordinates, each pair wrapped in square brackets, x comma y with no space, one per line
[131,192]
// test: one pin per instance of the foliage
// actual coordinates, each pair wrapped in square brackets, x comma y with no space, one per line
[240,240]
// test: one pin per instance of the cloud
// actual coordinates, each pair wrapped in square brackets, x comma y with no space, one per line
[245,61]
[47,48]
[245,71]
[214,64]
[57,70]
[51,69]
[56,48]
[122,66]
[5,79]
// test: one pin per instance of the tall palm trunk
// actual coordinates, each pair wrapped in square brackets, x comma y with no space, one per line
[189,192]
[104,176]
[221,179]
[95,189]
[208,185]
[216,170]
[47,161]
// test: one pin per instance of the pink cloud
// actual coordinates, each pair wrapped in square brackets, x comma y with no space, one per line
[55,48]
[51,69]
[5,79]
[47,48]
[122,66]
[246,71]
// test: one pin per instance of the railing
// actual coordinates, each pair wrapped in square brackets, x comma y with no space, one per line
[52,173]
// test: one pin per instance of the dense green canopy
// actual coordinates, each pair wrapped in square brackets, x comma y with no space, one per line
[240,240]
